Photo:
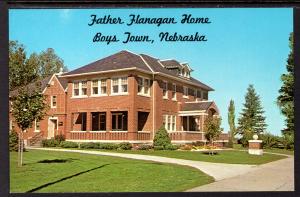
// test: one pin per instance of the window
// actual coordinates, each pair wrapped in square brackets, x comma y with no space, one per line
[80,89]
[53,102]
[124,84]
[95,87]
[169,121]
[174,92]
[37,126]
[119,121]
[76,89]
[143,86]
[99,87]
[115,85]
[140,85]
[103,86]
[79,121]
[120,85]
[199,94]
[98,121]
[83,88]
[205,95]
[173,123]
[165,89]
[185,92]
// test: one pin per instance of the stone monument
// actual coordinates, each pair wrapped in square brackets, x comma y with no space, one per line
[255,146]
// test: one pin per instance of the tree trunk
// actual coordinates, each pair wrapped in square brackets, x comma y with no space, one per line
[20,149]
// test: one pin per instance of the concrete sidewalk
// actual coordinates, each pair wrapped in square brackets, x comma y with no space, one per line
[218,171]
[274,176]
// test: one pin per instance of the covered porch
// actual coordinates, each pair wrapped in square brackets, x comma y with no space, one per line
[192,117]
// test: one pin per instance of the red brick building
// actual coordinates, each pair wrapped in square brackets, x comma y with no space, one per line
[125,97]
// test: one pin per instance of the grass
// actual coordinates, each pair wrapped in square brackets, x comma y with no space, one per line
[226,156]
[50,171]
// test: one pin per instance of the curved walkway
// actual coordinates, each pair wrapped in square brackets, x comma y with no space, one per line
[274,176]
[218,171]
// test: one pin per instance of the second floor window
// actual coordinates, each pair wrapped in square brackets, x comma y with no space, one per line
[165,89]
[37,125]
[95,87]
[103,86]
[174,92]
[205,95]
[80,88]
[143,85]
[76,89]
[83,88]
[185,92]
[53,102]
[119,85]
[199,94]
[99,87]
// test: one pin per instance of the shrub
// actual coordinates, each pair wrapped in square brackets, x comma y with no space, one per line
[67,144]
[145,147]
[13,141]
[50,143]
[198,143]
[161,137]
[60,138]
[125,146]
[171,147]
[108,146]
[158,148]
[90,145]
[186,147]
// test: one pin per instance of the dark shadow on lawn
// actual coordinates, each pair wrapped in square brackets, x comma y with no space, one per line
[65,178]
[57,160]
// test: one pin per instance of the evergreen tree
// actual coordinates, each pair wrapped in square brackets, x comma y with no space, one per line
[231,121]
[285,99]
[252,120]
[161,138]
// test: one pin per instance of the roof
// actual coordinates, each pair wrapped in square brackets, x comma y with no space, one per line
[171,64]
[120,60]
[128,60]
[203,105]
[44,82]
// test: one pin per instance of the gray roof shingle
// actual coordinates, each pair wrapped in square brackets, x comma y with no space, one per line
[196,106]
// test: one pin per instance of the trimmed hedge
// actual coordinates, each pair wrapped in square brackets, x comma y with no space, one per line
[90,145]
[68,144]
[124,146]
[145,147]
[50,143]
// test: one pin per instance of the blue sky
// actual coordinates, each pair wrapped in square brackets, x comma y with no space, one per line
[245,46]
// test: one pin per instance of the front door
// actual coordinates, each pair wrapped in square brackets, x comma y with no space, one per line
[52,127]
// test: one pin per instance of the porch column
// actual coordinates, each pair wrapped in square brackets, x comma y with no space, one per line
[108,121]
[188,123]
[88,121]
[132,125]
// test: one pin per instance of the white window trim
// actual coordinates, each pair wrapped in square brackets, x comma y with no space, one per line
[99,88]
[80,89]
[174,99]
[166,96]
[52,101]
[171,123]
[35,130]
[119,86]
[143,87]
[187,89]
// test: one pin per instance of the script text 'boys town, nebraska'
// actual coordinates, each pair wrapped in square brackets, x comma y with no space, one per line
[137,19]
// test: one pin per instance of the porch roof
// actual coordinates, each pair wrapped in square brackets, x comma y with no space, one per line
[197,106]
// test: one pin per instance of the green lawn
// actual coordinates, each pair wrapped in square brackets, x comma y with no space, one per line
[225,156]
[50,171]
